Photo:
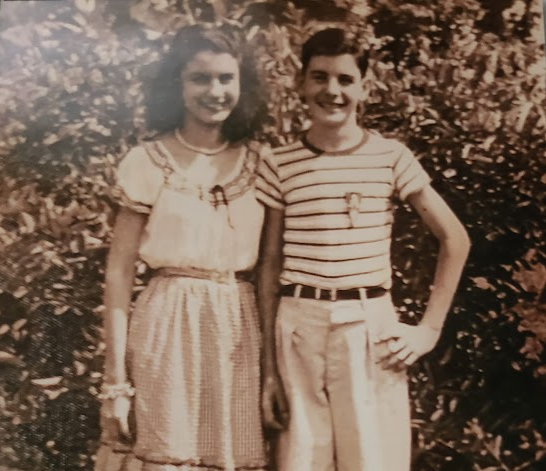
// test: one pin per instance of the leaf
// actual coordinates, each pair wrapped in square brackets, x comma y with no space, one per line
[532,280]
[29,223]
[449,173]
[87,6]
[47,382]
[20,292]
[19,324]
[53,394]
[9,359]
[436,415]
[482,283]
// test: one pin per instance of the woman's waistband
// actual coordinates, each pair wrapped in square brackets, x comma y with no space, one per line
[218,276]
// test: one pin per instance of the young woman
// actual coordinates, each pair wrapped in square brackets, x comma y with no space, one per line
[186,357]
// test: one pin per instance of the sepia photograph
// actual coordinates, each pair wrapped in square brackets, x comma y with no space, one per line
[272,235]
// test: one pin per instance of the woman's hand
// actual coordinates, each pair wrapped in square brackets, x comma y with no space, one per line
[406,344]
[115,414]
[274,404]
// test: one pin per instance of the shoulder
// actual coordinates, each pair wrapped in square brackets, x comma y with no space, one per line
[379,144]
[139,167]
[290,148]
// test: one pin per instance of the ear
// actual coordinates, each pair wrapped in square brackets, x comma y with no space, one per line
[365,89]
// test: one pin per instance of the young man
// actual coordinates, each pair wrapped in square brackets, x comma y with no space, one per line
[335,354]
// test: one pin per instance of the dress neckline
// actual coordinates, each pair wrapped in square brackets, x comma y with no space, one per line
[228,179]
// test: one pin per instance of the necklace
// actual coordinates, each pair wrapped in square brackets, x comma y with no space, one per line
[199,150]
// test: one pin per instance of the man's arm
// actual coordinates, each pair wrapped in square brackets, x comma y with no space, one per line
[453,252]
[407,343]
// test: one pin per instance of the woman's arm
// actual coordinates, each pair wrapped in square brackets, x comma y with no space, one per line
[120,275]
[269,271]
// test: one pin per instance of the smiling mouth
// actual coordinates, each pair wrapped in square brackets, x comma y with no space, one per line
[216,106]
[331,106]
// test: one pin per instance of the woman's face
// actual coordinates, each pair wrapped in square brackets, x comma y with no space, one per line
[210,87]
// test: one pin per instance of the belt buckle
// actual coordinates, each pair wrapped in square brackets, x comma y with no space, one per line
[221,277]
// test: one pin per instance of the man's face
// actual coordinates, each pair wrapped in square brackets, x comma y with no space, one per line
[332,87]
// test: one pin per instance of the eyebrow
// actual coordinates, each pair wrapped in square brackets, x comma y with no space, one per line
[320,72]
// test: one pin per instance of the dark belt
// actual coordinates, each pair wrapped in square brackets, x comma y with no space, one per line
[310,292]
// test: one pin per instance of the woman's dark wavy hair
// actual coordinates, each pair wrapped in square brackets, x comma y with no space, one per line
[164,105]
[334,42]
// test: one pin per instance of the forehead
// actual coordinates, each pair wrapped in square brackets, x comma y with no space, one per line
[212,62]
[342,64]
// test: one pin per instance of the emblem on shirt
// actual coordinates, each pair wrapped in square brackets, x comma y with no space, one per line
[353,201]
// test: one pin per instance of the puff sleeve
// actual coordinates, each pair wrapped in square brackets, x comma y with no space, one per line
[139,181]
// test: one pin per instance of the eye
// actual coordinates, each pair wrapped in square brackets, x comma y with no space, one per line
[346,80]
[226,78]
[200,79]
[319,77]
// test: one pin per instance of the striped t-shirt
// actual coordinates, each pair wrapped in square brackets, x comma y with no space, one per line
[338,209]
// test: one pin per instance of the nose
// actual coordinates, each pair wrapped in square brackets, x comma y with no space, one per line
[332,87]
[216,88]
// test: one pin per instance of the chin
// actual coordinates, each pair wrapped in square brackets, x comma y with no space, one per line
[330,120]
[216,119]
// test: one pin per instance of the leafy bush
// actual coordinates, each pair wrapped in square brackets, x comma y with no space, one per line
[461,81]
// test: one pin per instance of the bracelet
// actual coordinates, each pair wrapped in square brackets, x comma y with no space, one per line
[113,391]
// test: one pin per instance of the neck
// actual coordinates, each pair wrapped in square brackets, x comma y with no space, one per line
[201,135]
[333,139]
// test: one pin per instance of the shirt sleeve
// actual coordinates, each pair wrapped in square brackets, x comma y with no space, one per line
[409,175]
[268,183]
[138,181]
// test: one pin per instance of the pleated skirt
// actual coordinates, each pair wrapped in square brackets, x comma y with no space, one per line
[193,354]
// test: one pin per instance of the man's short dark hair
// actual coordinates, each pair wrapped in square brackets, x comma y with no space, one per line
[333,42]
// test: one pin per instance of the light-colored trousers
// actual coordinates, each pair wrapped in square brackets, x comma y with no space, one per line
[346,412]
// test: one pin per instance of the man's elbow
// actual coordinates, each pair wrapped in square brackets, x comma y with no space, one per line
[458,241]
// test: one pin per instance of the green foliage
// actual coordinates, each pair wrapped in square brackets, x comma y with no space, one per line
[460,81]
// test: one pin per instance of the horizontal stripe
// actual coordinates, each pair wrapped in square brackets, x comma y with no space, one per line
[335,213]
[337,244]
[346,236]
[263,185]
[295,159]
[335,277]
[354,179]
[299,168]
[356,161]
[340,230]
[321,247]
[289,148]
[269,201]
[270,167]
[331,269]
[318,258]
[320,177]
[384,172]
[380,278]
[336,205]
[337,252]
[339,221]
[333,190]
